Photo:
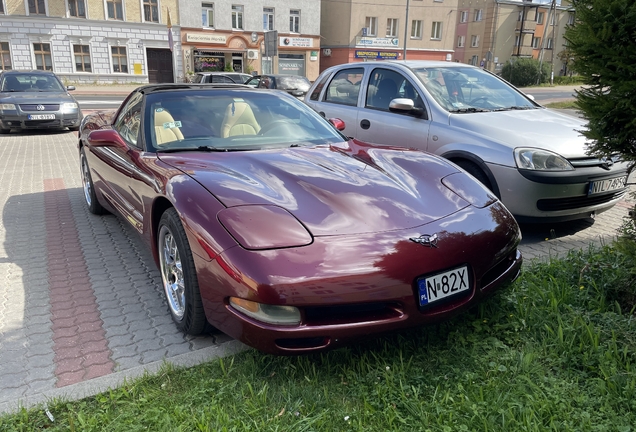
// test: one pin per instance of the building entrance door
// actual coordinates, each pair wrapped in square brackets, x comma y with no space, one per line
[160,68]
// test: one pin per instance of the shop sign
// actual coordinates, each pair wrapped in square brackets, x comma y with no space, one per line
[206,38]
[377,55]
[379,42]
[313,56]
[296,42]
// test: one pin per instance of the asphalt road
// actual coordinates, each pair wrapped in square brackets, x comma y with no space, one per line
[98,102]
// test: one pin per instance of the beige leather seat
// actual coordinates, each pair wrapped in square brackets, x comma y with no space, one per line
[165,129]
[239,120]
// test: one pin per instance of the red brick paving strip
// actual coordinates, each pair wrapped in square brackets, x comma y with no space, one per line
[79,342]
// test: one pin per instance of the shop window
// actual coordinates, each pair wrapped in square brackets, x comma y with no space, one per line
[209,61]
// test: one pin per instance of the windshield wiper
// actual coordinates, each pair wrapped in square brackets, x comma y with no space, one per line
[469,110]
[510,108]
[187,149]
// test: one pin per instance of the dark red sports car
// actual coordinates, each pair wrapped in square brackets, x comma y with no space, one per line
[270,225]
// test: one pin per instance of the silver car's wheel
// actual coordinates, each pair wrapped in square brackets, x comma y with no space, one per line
[178,275]
[87,185]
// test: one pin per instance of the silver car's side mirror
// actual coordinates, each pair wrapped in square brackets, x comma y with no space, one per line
[406,105]
[69,88]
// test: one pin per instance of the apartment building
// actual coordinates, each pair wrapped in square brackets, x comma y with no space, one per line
[493,32]
[356,30]
[220,34]
[94,41]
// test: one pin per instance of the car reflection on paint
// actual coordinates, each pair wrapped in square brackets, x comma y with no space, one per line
[270,225]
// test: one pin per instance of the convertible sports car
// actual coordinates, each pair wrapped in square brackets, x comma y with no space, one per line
[270,225]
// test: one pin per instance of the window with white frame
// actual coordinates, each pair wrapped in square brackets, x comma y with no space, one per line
[517,40]
[151,11]
[416,29]
[5,56]
[268,19]
[461,41]
[77,8]
[436,30]
[463,16]
[115,9]
[207,15]
[37,7]
[548,43]
[474,41]
[371,23]
[536,42]
[539,17]
[478,13]
[119,58]
[391,27]
[552,18]
[570,19]
[294,20]
[237,16]
[42,54]
[520,16]
[82,56]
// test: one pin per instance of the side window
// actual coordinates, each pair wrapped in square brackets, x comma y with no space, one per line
[129,120]
[315,95]
[345,87]
[198,78]
[383,88]
[409,91]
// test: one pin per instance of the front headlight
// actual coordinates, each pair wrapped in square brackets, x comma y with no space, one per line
[541,160]
[271,314]
[7,107]
[68,106]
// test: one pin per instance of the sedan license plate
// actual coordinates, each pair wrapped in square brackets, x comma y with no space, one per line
[609,185]
[41,116]
[442,285]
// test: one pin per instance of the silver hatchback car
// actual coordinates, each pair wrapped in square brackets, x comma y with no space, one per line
[533,158]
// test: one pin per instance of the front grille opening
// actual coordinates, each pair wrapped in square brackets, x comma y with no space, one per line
[353,313]
[555,204]
[495,272]
[303,343]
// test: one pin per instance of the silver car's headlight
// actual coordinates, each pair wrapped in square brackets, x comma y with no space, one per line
[7,107]
[541,160]
[68,106]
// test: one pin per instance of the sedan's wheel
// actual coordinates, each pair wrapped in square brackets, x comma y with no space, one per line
[89,191]
[178,275]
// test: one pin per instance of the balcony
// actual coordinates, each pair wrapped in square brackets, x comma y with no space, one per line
[528,26]
[524,51]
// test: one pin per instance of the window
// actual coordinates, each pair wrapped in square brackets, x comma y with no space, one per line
[478,13]
[237,16]
[127,124]
[207,14]
[371,23]
[1,8]
[294,21]
[268,19]
[345,87]
[461,41]
[436,30]
[570,19]
[549,43]
[151,11]
[391,27]
[517,40]
[82,54]
[42,53]
[76,8]
[536,42]
[552,18]
[474,60]
[416,29]
[120,61]
[386,85]
[474,41]
[539,17]
[37,7]
[463,16]
[520,16]
[5,56]
[115,9]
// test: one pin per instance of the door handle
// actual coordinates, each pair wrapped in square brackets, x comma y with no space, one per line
[365,124]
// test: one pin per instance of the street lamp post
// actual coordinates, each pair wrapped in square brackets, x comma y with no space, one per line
[406,28]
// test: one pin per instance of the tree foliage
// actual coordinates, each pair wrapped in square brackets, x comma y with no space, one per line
[603,43]
[524,72]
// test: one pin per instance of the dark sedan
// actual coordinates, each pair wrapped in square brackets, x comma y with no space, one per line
[36,100]
[292,84]
[269,224]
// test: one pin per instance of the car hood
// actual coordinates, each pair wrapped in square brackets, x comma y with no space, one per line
[35,97]
[331,192]
[540,127]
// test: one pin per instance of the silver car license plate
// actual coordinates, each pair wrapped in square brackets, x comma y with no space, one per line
[609,185]
[41,117]
[442,285]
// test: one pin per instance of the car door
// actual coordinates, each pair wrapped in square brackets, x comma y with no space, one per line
[253,82]
[377,124]
[340,98]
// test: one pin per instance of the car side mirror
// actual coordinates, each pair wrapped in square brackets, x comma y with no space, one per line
[105,138]
[70,88]
[530,97]
[406,105]
[337,123]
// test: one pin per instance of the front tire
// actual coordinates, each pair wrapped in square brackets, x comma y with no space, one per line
[476,172]
[178,275]
[89,190]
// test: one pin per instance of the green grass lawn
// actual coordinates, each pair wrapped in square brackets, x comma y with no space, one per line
[563,105]
[554,351]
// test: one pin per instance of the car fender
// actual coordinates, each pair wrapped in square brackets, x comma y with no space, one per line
[456,155]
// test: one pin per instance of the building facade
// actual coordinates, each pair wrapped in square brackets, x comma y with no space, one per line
[92,41]
[219,35]
[366,31]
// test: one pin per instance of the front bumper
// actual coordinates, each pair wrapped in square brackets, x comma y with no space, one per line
[21,120]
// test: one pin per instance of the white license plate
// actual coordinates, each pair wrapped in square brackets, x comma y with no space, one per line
[41,116]
[442,285]
[609,185]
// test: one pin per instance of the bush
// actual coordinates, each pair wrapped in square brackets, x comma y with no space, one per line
[524,72]
[568,80]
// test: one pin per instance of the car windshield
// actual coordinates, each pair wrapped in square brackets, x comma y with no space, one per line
[292,82]
[31,83]
[232,120]
[467,90]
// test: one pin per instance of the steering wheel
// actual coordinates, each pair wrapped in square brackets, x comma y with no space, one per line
[480,98]
[276,124]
